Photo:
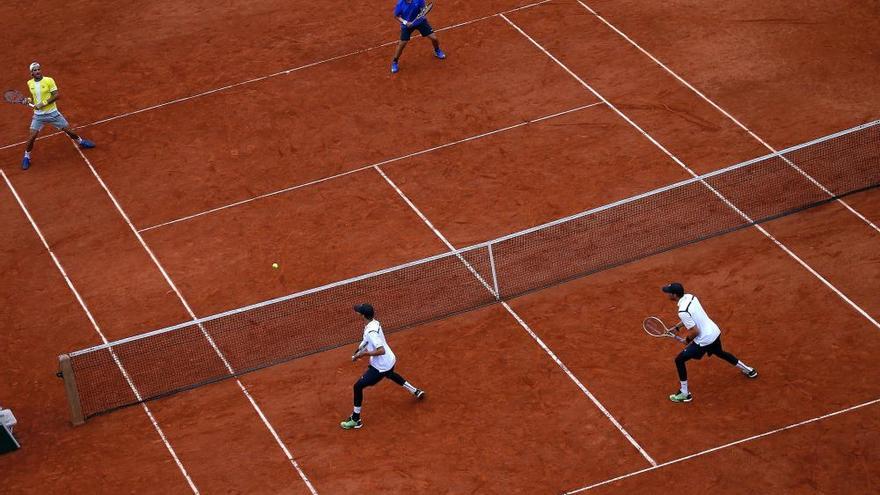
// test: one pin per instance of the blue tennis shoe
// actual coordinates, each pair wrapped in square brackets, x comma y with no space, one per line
[86,144]
[439,54]
[394,67]
[25,163]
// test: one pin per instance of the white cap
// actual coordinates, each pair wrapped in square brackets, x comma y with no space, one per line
[34,66]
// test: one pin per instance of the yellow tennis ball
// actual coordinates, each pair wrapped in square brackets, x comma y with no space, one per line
[275,265]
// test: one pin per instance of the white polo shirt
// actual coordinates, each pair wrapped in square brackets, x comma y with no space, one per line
[374,338]
[693,315]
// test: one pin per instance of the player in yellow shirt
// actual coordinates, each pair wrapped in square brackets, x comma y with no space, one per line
[44,95]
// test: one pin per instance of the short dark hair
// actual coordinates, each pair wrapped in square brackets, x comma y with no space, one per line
[674,288]
[365,309]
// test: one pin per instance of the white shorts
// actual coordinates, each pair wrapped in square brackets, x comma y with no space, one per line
[54,118]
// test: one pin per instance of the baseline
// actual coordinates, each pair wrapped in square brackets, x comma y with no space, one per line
[727,445]
[268,76]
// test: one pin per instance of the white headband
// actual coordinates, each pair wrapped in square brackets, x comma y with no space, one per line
[35,66]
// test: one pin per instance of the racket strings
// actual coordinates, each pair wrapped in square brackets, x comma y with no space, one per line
[655,327]
[13,96]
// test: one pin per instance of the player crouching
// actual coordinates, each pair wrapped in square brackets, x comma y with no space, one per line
[705,339]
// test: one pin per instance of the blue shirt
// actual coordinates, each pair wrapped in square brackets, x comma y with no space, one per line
[409,11]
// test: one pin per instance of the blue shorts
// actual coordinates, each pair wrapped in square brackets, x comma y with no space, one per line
[55,119]
[423,28]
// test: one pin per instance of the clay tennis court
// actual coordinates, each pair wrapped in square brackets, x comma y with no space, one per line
[234,136]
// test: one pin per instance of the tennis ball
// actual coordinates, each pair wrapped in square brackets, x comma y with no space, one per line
[275,265]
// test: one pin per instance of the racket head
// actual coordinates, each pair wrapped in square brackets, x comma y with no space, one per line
[655,327]
[13,96]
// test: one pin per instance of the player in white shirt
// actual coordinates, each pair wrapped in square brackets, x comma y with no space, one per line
[705,338]
[382,361]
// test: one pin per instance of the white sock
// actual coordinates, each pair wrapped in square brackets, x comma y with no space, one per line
[79,139]
[743,366]
[27,154]
[684,387]
[409,387]
[357,410]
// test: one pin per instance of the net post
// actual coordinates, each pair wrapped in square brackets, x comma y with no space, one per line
[494,275]
[76,415]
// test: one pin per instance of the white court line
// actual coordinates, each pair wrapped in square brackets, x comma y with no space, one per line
[693,174]
[727,445]
[526,327]
[189,310]
[367,167]
[100,333]
[269,76]
[731,117]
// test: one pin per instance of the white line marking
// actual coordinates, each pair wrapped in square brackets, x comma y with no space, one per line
[526,328]
[486,244]
[262,78]
[100,333]
[189,310]
[729,116]
[693,174]
[731,444]
[367,167]
[428,222]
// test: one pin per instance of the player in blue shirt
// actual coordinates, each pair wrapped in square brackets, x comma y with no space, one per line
[406,12]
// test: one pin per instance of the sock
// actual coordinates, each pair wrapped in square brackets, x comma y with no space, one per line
[79,140]
[27,154]
[356,413]
[409,387]
[743,366]
[684,387]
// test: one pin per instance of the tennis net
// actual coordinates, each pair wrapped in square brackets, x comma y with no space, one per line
[159,363]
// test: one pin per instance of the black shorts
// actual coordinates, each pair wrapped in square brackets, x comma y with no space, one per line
[373,376]
[696,351]
[423,28]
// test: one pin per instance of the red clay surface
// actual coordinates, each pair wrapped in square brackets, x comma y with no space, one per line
[548,170]
[41,316]
[318,235]
[493,399]
[325,120]
[789,74]
[144,55]
[774,315]
[841,454]
[500,417]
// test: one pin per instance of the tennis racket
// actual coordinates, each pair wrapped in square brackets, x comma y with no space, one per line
[14,97]
[424,11]
[360,347]
[656,328]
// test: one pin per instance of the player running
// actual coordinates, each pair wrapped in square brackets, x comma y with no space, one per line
[382,362]
[705,339]
[406,12]
[44,95]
